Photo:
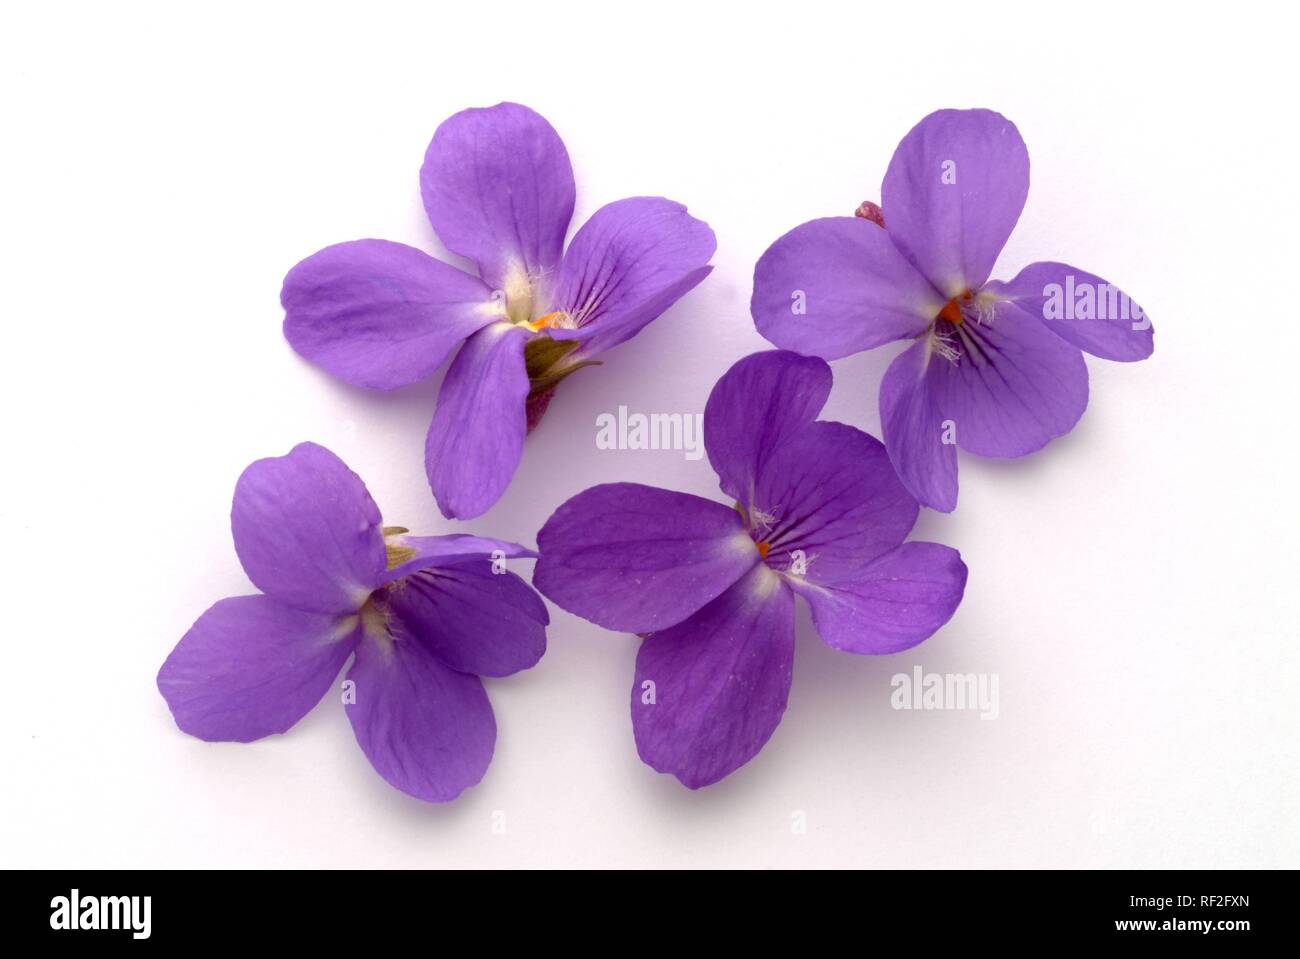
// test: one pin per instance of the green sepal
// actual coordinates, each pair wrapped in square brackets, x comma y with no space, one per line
[542,359]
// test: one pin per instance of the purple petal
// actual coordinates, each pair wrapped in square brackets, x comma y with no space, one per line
[454,549]
[477,434]
[830,492]
[613,329]
[756,404]
[498,188]
[915,430]
[710,692]
[307,531]
[890,604]
[635,558]
[472,618]
[631,261]
[425,727]
[837,286]
[1082,309]
[380,314]
[250,667]
[1014,387]
[953,193]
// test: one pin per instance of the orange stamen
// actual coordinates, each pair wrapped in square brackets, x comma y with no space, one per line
[543,321]
[952,309]
[763,547]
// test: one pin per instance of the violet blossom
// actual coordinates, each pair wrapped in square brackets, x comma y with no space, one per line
[498,188]
[995,367]
[422,616]
[819,512]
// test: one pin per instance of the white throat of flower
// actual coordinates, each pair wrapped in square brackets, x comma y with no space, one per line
[526,298]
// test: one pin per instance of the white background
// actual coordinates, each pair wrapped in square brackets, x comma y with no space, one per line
[1133,585]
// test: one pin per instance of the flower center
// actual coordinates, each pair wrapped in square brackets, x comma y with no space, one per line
[950,331]
[550,319]
[952,310]
[760,524]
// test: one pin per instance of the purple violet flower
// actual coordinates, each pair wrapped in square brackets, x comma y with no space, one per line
[425,616]
[819,512]
[498,189]
[996,367]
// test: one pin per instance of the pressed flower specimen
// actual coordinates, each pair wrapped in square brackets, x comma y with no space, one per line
[819,512]
[424,617]
[996,367]
[498,188]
